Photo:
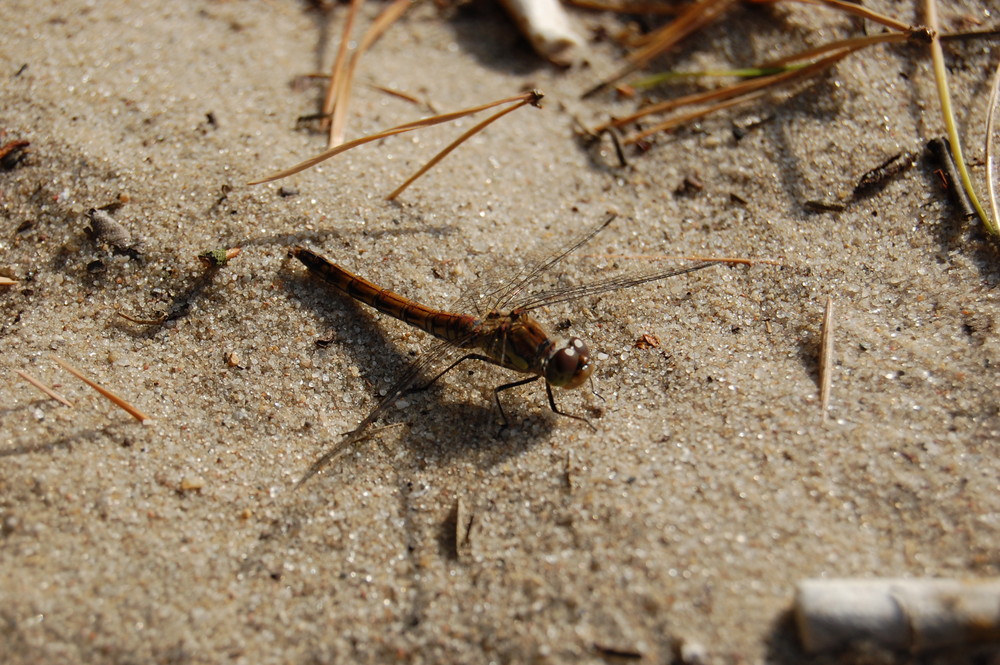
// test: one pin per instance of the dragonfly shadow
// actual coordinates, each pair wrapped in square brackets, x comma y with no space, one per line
[440,428]
[87,435]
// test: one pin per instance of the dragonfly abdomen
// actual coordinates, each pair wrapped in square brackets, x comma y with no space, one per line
[441,324]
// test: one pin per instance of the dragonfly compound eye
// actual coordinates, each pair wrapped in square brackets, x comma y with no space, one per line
[570,366]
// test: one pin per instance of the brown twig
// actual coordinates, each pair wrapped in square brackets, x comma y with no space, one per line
[44,388]
[114,398]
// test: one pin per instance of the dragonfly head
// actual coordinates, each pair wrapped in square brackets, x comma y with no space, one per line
[570,365]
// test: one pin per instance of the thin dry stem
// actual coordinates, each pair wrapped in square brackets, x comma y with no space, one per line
[44,388]
[826,358]
[454,144]
[114,398]
[7,281]
[335,103]
[534,96]
[941,78]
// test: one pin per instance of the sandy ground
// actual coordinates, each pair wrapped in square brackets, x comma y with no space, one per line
[712,481]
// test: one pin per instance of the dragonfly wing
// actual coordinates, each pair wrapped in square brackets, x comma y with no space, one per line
[493,294]
[503,301]
[554,296]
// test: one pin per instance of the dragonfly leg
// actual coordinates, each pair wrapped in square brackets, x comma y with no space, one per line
[552,405]
[552,402]
[593,389]
[471,356]
[508,386]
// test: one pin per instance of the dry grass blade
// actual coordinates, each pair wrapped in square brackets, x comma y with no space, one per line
[826,358]
[7,281]
[44,388]
[335,103]
[115,399]
[454,144]
[941,78]
[992,172]
[656,80]
[696,17]
[381,23]
[533,97]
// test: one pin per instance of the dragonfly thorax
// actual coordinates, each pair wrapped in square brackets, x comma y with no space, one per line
[569,365]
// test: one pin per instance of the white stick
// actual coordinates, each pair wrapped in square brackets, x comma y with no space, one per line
[905,614]
[547,27]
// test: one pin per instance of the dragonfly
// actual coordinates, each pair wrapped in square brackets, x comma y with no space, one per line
[507,335]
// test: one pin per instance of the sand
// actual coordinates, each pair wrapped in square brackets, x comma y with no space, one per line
[712,479]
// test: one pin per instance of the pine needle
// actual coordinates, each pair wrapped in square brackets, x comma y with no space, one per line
[737,93]
[454,144]
[660,41]
[941,77]
[826,358]
[533,97]
[855,9]
[44,388]
[405,96]
[338,91]
[685,118]
[375,30]
[114,398]
[852,44]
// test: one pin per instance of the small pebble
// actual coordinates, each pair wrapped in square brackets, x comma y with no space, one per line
[192,483]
